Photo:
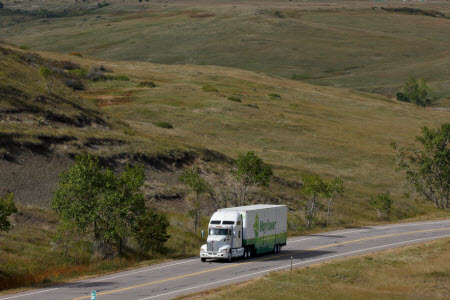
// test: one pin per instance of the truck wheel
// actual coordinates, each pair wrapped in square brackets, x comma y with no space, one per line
[278,248]
[230,258]
[245,253]
[203,259]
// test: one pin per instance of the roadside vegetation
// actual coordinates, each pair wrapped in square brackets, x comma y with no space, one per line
[417,271]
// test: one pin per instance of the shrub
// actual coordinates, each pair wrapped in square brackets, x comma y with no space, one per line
[4,154]
[235,99]
[415,91]
[7,208]
[24,47]
[209,88]
[274,96]
[82,72]
[74,84]
[1,5]
[382,203]
[102,4]
[253,105]
[76,54]
[65,64]
[121,78]
[150,84]
[95,74]
[166,125]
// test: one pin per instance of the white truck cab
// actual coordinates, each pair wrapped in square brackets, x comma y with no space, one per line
[224,236]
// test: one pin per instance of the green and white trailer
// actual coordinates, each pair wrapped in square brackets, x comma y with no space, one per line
[245,231]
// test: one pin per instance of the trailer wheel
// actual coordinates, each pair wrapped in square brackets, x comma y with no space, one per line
[278,248]
[203,259]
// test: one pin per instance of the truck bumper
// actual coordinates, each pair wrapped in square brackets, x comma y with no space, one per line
[216,255]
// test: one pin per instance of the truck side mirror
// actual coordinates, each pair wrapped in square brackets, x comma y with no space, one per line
[203,233]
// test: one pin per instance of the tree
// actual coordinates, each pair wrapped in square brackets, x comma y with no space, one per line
[150,231]
[7,208]
[427,165]
[92,199]
[48,76]
[312,187]
[1,5]
[382,204]
[332,192]
[192,178]
[415,91]
[251,171]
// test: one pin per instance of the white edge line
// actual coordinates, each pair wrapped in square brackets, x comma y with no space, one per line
[97,280]
[286,266]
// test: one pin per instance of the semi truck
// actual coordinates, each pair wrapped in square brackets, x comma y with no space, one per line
[245,231]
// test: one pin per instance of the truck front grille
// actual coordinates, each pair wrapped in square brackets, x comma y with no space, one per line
[212,246]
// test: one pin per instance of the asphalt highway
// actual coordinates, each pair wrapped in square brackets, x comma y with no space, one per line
[182,277]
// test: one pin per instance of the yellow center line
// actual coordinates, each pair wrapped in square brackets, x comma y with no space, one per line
[262,259]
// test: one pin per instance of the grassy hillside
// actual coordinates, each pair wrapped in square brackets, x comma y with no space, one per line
[415,272]
[354,44]
[296,127]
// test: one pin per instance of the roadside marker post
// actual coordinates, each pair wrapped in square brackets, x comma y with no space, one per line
[93,295]
[291,264]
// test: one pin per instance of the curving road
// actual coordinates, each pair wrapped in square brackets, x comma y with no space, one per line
[172,279]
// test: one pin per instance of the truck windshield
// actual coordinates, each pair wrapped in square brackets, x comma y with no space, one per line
[216,231]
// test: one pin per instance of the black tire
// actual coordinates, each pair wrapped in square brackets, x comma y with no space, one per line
[203,259]
[230,258]
[245,253]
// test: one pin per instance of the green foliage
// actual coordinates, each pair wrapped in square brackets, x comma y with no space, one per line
[150,84]
[121,78]
[163,124]
[102,4]
[382,203]
[24,47]
[92,199]
[235,99]
[250,170]
[427,165]
[47,74]
[192,178]
[274,96]
[332,192]
[7,208]
[82,72]
[209,88]
[150,231]
[415,91]
[312,187]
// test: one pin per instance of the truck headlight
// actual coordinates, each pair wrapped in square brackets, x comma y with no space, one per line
[201,250]
[224,250]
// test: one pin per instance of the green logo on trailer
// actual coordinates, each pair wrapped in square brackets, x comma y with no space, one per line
[255,226]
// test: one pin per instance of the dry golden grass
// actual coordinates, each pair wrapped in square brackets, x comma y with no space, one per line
[412,272]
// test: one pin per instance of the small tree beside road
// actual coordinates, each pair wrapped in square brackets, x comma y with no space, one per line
[7,208]
[382,203]
[427,164]
[251,171]
[192,178]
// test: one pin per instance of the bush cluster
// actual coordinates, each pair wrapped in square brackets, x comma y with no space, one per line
[235,99]
[150,84]
[209,88]
[163,124]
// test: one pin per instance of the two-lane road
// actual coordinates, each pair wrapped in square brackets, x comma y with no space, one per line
[176,278]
